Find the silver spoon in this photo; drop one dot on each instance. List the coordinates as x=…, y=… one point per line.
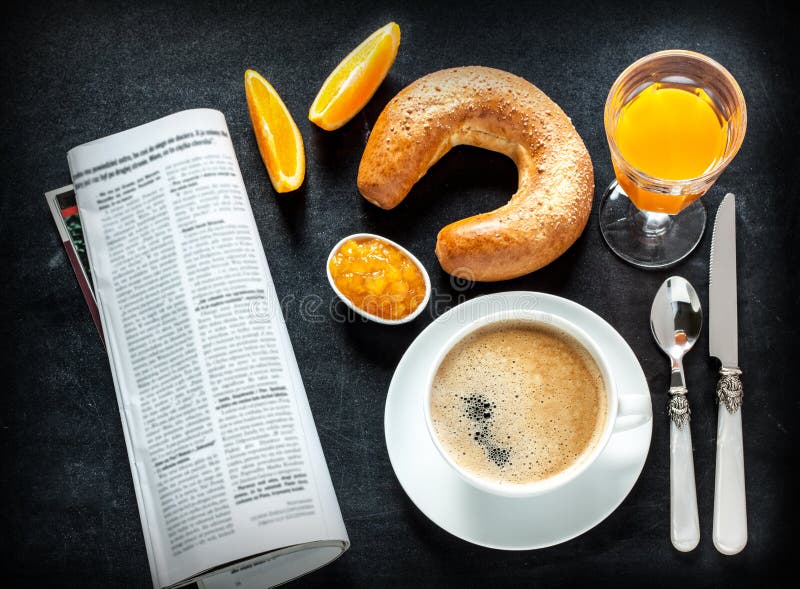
x=676, y=319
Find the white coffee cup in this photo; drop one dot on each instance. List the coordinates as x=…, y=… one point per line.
x=584, y=461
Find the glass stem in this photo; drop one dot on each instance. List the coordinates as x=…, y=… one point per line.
x=651, y=224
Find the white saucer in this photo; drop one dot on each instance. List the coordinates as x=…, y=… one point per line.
x=512, y=523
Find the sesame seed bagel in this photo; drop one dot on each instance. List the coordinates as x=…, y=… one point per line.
x=496, y=110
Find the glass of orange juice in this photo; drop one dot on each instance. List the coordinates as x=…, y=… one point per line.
x=674, y=120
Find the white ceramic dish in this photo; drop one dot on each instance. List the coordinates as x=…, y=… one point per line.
x=359, y=237
x=515, y=523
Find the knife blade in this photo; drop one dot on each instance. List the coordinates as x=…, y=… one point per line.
x=723, y=325
x=730, y=511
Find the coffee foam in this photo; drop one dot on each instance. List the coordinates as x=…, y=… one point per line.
x=516, y=402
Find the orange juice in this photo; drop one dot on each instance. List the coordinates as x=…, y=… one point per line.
x=672, y=133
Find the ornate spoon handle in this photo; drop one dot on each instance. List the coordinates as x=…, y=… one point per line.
x=730, y=510
x=684, y=522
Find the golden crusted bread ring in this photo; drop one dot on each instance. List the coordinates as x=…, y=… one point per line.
x=495, y=110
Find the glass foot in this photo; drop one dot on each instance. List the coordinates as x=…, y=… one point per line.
x=649, y=240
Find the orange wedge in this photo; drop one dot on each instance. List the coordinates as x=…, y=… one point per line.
x=277, y=135
x=355, y=79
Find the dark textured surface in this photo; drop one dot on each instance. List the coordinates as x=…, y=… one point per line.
x=74, y=73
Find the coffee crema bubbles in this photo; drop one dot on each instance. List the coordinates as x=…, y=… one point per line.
x=518, y=402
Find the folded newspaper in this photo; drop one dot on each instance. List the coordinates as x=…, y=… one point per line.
x=232, y=486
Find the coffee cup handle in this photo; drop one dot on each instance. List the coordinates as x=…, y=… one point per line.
x=632, y=411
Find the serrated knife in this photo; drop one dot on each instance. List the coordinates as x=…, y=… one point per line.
x=730, y=512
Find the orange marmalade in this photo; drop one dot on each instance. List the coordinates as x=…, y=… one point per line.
x=378, y=278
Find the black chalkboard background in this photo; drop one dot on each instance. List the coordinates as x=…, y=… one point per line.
x=75, y=72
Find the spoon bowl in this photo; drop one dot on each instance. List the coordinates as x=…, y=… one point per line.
x=676, y=317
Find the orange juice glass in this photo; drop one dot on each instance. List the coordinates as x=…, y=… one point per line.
x=674, y=120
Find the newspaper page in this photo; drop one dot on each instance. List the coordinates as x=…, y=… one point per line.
x=226, y=460
x=68, y=222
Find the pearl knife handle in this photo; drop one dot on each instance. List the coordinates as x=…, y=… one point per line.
x=730, y=509
x=684, y=522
